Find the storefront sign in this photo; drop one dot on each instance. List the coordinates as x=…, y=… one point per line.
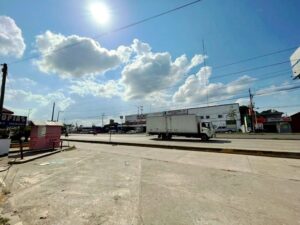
x=13, y=120
x=281, y=119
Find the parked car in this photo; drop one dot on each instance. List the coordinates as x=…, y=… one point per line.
x=223, y=129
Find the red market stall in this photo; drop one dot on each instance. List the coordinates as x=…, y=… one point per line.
x=45, y=135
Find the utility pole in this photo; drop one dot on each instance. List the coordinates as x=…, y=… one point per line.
x=206, y=78
x=4, y=75
x=52, y=119
x=102, y=118
x=58, y=114
x=28, y=114
x=141, y=108
x=251, y=110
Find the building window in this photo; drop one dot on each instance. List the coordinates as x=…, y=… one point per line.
x=202, y=117
x=207, y=117
x=220, y=116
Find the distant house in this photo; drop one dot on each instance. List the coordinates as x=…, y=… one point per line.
x=296, y=122
x=275, y=122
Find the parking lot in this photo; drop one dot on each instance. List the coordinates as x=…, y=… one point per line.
x=104, y=184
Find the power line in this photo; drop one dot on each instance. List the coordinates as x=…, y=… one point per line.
x=280, y=89
x=112, y=31
x=243, y=95
x=251, y=69
x=280, y=106
x=255, y=57
x=105, y=109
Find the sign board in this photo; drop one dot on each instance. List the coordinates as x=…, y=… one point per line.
x=13, y=120
x=295, y=63
x=177, y=112
x=281, y=119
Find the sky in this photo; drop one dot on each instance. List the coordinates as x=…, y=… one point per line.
x=60, y=51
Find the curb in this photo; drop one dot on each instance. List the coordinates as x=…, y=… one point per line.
x=38, y=156
x=261, y=138
x=276, y=154
x=32, y=159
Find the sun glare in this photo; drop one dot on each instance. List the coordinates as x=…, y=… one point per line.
x=100, y=12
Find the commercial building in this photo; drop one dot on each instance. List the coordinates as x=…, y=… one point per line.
x=275, y=122
x=227, y=115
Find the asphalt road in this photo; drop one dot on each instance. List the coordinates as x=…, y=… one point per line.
x=247, y=144
x=122, y=185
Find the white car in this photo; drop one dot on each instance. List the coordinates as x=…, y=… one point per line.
x=224, y=130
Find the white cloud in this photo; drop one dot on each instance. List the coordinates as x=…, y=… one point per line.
x=41, y=104
x=11, y=39
x=149, y=73
x=75, y=56
x=24, y=81
x=243, y=101
x=277, y=88
x=92, y=87
x=197, y=87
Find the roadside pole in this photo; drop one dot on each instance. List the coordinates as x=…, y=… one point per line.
x=251, y=110
x=4, y=75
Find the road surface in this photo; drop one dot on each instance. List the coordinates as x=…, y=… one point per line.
x=247, y=144
x=122, y=185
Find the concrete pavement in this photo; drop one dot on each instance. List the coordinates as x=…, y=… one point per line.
x=269, y=148
x=102, y=184
x=247, y=144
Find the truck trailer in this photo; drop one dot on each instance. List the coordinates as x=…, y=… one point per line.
x=179, y=125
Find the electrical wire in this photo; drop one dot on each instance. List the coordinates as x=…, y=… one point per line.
x=256, y=57
x=110, y=32
x=284, y=88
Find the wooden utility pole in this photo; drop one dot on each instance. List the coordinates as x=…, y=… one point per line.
x=4, y=75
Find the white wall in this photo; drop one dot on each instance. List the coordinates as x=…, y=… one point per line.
x=212, y=111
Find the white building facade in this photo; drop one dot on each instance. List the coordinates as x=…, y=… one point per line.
x=227, y=115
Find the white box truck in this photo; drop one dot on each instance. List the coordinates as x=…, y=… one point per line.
x=180, y=125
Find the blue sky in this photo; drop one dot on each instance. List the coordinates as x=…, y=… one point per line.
x=157, y=64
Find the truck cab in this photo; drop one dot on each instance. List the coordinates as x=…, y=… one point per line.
x=207, y=128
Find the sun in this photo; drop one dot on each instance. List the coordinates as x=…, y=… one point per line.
x=100, y=12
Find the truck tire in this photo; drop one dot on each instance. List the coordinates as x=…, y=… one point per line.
x=163, y=136
x=204, y=137
x=169, y=136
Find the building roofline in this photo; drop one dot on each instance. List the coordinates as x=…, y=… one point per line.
x=188, y=108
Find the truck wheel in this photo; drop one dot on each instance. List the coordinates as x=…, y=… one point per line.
x=204, y=137
x=169, y=136
x=159, y=136
x=163, y=136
